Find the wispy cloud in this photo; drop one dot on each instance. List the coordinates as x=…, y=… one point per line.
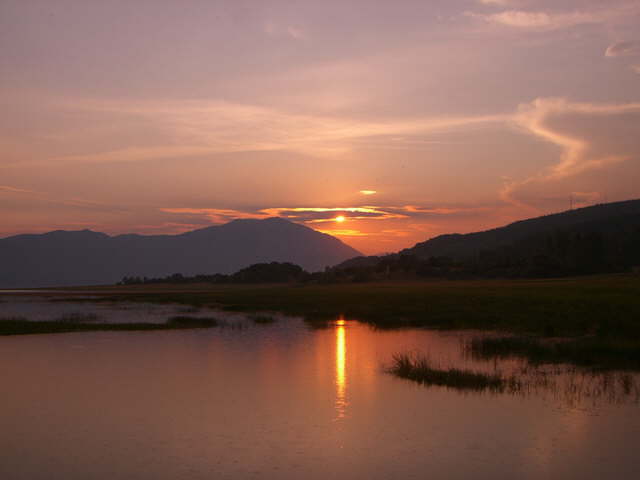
x=622, y=49
x=319, y=215
x=46, y=198
x=346, y=233
x=190, y=128
x=540, y=20
x=9, y=189
x=552, y=19
x=328, y=214
x=501, y=3
x=576, y=151
x=415, y=210
x=274, y=29
x=562, y=123
x=215, y=215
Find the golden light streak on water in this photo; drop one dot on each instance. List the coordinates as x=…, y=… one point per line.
x=341, y=367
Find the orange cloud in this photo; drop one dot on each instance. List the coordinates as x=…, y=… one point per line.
x=7, y=188
x=345, y=233
x=310, y=214
x=216, y=215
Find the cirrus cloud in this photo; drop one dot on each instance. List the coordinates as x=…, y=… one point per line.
x=591, y=137
x=622, y=49
x=540, y=20
x=550, y=19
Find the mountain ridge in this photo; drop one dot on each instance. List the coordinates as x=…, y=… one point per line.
x=86, y=257
x=456, y=245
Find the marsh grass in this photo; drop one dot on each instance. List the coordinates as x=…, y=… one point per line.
x=420, y=369
x=593, y=352
x=261, y=319
x=575, y=386
x=233, y=325
x=13, y=318
x=605, y=305
x=571, y=386
x=188, y=309
x=23, y=326
x=78, y=317
x=185, y=321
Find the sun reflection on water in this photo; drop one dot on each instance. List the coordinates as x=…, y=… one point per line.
x=341, y=370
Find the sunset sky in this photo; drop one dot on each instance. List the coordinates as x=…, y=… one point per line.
x=408, y=119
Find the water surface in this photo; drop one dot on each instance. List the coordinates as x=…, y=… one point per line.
x=286, y=401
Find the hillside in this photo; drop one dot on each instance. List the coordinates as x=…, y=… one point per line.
x=90, y=258
x=598, y=218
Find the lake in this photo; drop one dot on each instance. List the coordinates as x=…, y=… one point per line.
x=285, y=400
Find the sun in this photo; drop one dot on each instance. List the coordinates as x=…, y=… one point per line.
x=340, y=218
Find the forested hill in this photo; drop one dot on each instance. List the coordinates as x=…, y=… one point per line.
x=609, y=218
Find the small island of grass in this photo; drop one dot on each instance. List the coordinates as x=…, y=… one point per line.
x=23, y=326
x=419, y=369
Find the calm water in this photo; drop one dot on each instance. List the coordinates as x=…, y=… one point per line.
x=285, y=401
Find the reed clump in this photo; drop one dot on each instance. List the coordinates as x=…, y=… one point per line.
x=593, y=352
x=420, y=369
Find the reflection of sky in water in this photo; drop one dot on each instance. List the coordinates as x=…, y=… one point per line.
x=262, y=402
x=39, y=308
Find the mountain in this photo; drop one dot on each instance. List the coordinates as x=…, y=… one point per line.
x=91, y=258
x=606, y=218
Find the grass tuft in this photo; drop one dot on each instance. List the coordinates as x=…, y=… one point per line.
x=420, y=370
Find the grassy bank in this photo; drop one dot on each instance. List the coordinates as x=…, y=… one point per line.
x=591, y=352
x=23, y=326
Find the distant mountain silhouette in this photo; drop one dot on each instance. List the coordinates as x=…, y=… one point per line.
x=601, y=218
x=91, y=258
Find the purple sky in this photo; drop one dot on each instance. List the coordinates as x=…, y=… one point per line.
x=164, y=116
